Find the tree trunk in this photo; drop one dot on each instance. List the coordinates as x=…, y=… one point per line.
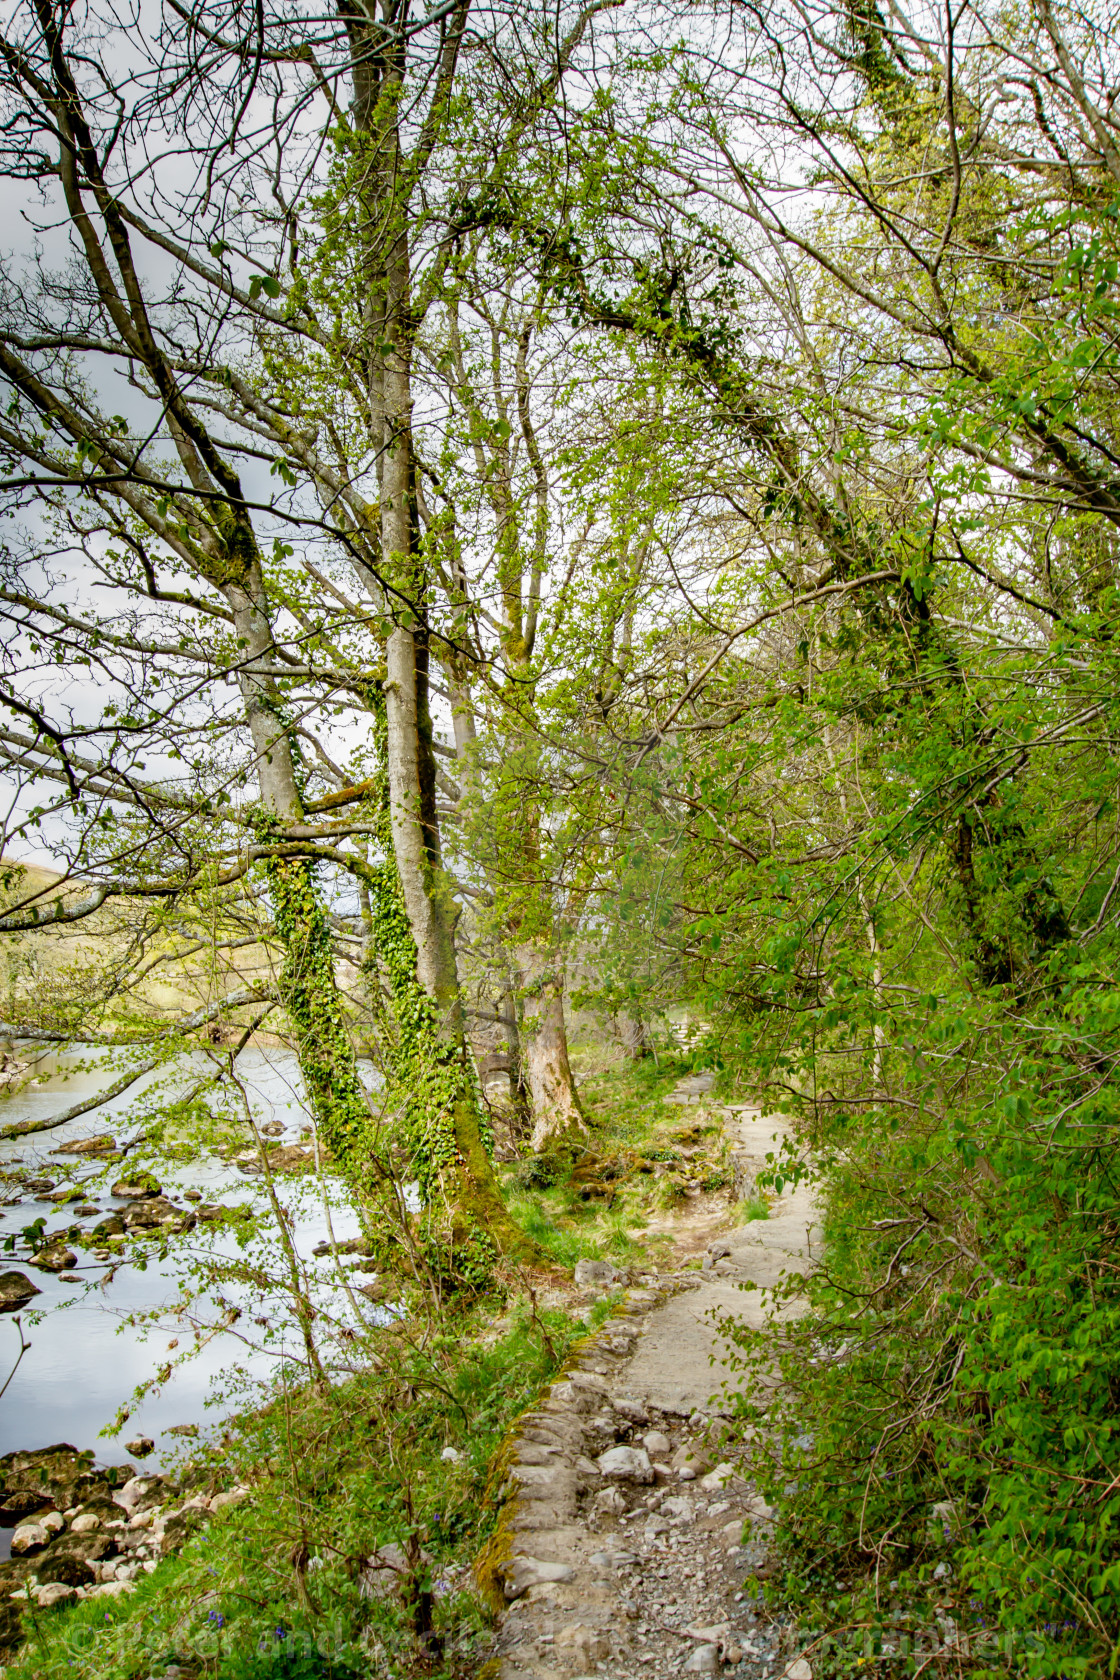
x=446, y=1120
x=558, y=1117
x=519, y=1097
x=307, y=985
x=633, y=1035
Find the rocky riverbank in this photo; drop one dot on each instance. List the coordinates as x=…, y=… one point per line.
x=81, y=1531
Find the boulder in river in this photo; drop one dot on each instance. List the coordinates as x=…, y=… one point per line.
x=140, y=1447
x=87, y=1146
x=157, y=1210
x=58, y=1476
x=54, y=1257
x=352, y=1245
x=16, y=1290
x=134, y=1189
x=111, y=1227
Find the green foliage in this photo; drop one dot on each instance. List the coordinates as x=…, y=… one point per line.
x=272, y=1588
x=322, y=1033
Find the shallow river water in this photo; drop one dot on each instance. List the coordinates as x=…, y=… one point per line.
x=83, y=1362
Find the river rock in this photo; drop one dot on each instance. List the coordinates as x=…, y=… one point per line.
x=626, y=1464
x=289, y=1157
x=87, y=1548
x=56, y=1592
x=179, y=1527
x=704, y=1660
x=140, y=1447
x=657, y=1444
x=85, y=1522
x=33, y=1481
x=144, y=1214
x=87, y=1146
x=113, y=1226
x=65, y=1569
x=232, y=1496
x=138, y=1492
x=182, y=1429
x=594, y=1274
x=54, y=1257
x=135, y=1189
x=29, y=1537
x=798, y=1669
x=16, y=1290
x=352, y=1245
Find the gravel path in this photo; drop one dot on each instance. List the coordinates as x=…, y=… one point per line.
x=627, y=1550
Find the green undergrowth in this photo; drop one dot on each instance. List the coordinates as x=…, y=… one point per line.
x=594, y=1202
x=275, y=1589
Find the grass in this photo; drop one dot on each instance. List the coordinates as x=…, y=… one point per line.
x=750, y=1208
x=272, y=1590
x=585, y=1213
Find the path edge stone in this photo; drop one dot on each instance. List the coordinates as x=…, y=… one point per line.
x=562, y=1413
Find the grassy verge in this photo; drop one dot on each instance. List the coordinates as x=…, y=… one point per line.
x=280, y=1588
x=597, y=1203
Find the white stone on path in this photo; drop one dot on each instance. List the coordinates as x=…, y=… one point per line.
x=626, y=1464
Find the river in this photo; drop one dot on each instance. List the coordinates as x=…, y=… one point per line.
x=84, y=1361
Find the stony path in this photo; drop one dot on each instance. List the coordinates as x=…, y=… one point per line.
x=627, y=1550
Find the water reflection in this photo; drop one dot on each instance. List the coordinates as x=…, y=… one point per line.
x=84, y=1363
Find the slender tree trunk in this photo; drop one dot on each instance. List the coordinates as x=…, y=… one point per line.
x=633, y=1035
x=450, y=1129
x=518, y=1072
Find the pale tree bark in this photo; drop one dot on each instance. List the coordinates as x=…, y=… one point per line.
x=634, y=1035
x=558, y=1118
x=379, y=59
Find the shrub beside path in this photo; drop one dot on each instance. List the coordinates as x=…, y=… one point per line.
x=625, y=1549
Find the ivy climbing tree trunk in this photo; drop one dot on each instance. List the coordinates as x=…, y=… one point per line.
x=453, y=1152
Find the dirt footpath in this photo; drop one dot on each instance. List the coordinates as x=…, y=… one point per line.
x=627, y=1550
